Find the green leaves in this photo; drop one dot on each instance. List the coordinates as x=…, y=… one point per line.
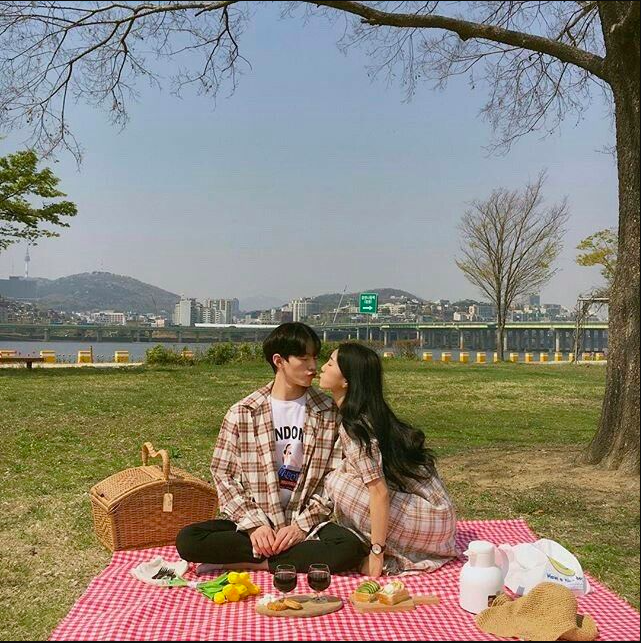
x=600, y=249
x=21, y=186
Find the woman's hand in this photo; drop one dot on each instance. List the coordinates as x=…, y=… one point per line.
x=376, y=565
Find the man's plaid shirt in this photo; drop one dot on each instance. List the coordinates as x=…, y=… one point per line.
x=244, y=464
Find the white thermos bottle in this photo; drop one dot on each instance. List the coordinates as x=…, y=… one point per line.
x=481, y=577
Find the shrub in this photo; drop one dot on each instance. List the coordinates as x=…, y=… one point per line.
x=248, y=352
x=161, y=356
x=220, y=354
x=406, y=348
x=327, y=348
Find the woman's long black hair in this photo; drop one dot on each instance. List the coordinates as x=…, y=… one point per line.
x=366, y=415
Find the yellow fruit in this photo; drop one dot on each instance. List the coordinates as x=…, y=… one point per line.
x=219, y=598
x=562, y=569
x=232, y=577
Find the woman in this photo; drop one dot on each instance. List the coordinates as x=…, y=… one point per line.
x=387, y=489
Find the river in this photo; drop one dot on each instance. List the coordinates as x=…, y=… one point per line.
x=104, y=351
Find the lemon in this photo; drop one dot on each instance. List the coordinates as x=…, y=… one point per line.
x=219, y=598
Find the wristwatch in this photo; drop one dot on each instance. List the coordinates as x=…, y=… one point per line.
x=377, y=549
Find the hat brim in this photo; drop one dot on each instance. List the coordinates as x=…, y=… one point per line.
x=586, y=629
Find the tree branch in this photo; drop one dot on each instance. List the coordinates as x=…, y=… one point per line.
x=467, y=30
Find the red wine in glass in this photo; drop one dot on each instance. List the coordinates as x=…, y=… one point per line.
x=319, y=579
x=285, y=578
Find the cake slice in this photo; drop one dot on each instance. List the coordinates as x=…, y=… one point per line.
x=393, y=593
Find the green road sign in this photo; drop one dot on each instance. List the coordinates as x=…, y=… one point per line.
x=368, y=303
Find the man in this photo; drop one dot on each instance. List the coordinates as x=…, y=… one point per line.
x=273, y=452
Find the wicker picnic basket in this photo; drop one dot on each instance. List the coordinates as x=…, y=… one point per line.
x=147, y=506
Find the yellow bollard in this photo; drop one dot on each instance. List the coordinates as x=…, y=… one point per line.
x=495, y=358
x=85, y=357
x=388, y=354
x=121, y=357
x=49, y=356
x=529, y=358
x=514, y=357
x=464, y=357
x=558, y=356
x=187, y=354
x=446, y=356
x=586, y=357
x=570, y=357
x=427, y=356
x=599, y=357
x=543, y=357
x=480, y=358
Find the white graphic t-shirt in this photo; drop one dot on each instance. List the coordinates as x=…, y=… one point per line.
x=289, y=421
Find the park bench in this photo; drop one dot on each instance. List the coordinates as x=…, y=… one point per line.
x=18, y=359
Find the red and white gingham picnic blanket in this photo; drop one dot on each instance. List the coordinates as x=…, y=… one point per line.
x=116, y=606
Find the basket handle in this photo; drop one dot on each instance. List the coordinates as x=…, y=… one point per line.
x=148, y=450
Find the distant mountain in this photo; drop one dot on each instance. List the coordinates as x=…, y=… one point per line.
x=92, y=291
x=259, y=302
x=385, y=295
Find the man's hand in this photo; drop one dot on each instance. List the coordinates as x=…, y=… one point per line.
x=288, y=537
x=263, y=541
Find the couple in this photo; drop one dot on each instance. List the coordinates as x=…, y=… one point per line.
x=305, y=479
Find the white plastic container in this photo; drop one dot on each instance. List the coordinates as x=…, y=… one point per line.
x=481, y=577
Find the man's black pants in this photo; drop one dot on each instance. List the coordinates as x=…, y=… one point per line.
x=217, y=541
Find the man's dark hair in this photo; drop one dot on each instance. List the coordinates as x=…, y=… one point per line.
x=292, y=338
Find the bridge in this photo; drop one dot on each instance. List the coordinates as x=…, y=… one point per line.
x=520, y=336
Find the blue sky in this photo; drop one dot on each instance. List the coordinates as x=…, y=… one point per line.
x=309, y=178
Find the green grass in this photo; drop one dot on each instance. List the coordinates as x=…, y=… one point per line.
x=64, y=430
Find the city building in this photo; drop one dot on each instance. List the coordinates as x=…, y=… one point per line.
x=109, y=318
x=482, y=312
x=185, y=312
x=221, y=311
x=303, y=308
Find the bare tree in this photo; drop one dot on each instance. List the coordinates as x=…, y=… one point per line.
x=539, y=60
x=508, y=245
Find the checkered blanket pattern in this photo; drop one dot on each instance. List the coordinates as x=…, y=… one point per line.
x=118, y=607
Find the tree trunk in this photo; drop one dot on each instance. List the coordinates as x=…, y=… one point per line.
x=500, y=339
x=616, y=444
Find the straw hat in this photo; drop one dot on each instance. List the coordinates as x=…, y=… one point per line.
x=547, y=613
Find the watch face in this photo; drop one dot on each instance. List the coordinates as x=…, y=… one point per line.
x=376, y=549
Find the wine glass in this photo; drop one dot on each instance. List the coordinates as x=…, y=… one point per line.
x=318, y=578
x=285, y=578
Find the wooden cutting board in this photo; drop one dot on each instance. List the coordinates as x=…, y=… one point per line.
x=310, y=608
x=403, y=606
